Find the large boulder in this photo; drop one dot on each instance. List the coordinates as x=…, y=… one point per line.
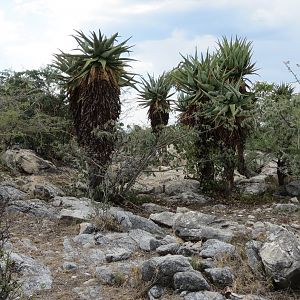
x=254, y=186
x=26, y=161
x=10, y=193
x=293, y=188
x=72, y=208
x=191, y=281
x=196, y=226
x=34, y=275
x=36, y=207
x=163, y=269
x=280, y=255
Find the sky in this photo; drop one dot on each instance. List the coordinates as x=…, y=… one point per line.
x=160, y=30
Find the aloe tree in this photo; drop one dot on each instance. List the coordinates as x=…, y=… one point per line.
x=93, y=75
x=235, y=58
x=155, y=95
x=215, y=88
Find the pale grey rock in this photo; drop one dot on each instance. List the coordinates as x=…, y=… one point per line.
x=154, y=208
x=36, y=207
x=70, y=266
x=294, y=200
x=168, y=249
x=116, y=240
x=206, y=295
x=215, y=248
x=162, y=269
x=280, y=255
x=155, y=292
x=10, y=193
x=176, y=187
x=196, y=226
x=105, y=274
x=166, y=218
x=26, y=161
x=191, y=281
x=28, y=244
x=254, y=261
x=293, y=188
x=128, y=221
x=221, y=276
x=86, y=240
x=35, y=276
x=254, y=186
x=188, y=198
x=182, y=209
x=74, y=209
x=144, y=239
x=117, y=254
x=286, y=207
x=47, y=191
x=112, y=274
x=86, y=228
x=89, y=292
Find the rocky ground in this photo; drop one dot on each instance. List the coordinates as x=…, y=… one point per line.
x=178, y=244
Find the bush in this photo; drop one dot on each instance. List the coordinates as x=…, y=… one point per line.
x=8, y=283
x=33, y=111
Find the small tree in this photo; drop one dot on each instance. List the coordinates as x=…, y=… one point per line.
x=278, y=127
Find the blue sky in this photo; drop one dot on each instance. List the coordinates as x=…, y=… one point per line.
x=32, y=30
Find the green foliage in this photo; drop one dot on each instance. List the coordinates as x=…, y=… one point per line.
x=215, y=101
x=34, y=111
x=94, y=52
x=155, y=94
x=8, y=271
x=278, y=125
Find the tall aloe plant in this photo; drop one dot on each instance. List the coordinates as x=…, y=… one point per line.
x=215, y=86
x=93, y=75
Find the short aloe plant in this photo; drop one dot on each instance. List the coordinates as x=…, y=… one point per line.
x=155, y=94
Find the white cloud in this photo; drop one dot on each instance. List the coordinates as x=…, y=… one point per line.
x=156, y=56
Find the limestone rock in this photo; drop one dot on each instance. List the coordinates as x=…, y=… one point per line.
x=166, y=218
x=293, y=188
x=221, y=276
x=162, y=269
x=9, y=193
x=196, y=226
x=34, y=275
x=36, y=207
x=280, y=256
x=26, y=161
x=191, y=281
x=254, y=261
x=214, y=248
x=206, y=295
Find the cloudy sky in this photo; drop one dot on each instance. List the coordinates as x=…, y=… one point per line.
x=32, y=30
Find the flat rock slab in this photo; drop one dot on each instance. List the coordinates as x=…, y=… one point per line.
x=10, y=193
x=34, y=275
x=78, y=209
x=196, y=226
x=214, y=248
x=166, y=218
x=36, y=207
